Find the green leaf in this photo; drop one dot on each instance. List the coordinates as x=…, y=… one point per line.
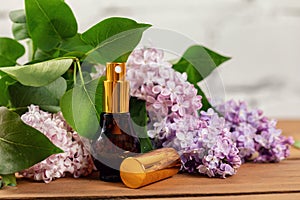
x=39, y=74
x=112, y=38
x=40, y=55
x=198, y=62
x=5, y=81
x=19, y=27
x=297, y=144
x=99, y=96
x=139, y=117
x=217, y=58
x=18, y=16
x=21, y=146
x=86, y=77
x=47, y=97
x=31, y=50
x=78, y=106
x=49, y=22
x=10, y=51
x=8, y=180
x=20, y=31
x=66, y=104
x=75, y=45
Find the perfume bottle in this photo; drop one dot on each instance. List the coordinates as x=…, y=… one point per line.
x=117, y=139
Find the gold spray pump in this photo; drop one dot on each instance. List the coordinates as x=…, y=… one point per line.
x=116, y=89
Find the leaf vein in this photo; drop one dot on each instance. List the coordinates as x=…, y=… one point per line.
x=54, y=28
x=23, y=145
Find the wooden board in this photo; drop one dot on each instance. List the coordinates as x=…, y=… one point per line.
x=292, y=196
x=252, y=181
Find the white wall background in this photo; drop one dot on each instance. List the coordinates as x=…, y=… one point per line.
x=262, y=36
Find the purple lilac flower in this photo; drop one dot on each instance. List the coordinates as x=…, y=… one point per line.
x=254, y=133
x=75, y=159
x=172, y=103
x=223, y=147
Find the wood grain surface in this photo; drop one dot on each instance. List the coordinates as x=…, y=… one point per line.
x=252, y=181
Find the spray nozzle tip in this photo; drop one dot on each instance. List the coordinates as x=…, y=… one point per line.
x=115, y=71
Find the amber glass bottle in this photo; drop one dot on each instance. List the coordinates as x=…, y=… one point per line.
x=117, y=139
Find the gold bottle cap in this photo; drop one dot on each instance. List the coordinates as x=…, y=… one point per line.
x=116, y=89
x=132, y=172
x=150, y=167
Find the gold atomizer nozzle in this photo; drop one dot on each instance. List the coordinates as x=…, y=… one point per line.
x=150, y=167
x=116, y=89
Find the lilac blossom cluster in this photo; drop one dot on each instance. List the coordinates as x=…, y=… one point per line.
x=166, y=91
x=75, y=160
x=172, y=103
x=255, y=135
x=203, y=142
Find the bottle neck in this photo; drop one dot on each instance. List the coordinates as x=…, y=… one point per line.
x=118, y=123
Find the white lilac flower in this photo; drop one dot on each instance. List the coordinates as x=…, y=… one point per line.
x=75, y=160
x=254, y=133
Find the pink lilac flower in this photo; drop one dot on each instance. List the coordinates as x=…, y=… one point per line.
x=254, y=133
x=166, y=91
x=172, y=103
x=75, y=160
